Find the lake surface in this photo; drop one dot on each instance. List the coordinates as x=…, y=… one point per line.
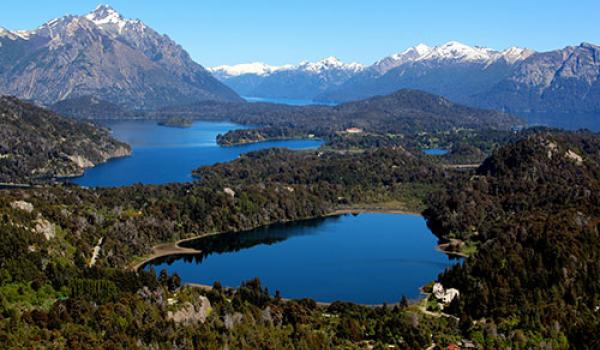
x=287, y=101
x=564, y=121
x=164, y=154
x=368, y=258
x=435, y=151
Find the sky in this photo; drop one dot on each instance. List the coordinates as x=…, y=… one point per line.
x=279, y=32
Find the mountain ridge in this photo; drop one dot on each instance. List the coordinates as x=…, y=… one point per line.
x=106, y=55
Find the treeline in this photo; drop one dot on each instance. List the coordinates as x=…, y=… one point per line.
x=532, y=211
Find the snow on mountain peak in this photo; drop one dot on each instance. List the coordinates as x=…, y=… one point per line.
x=454, y=50
x=451, y=51
x=258, y=68
x=5, y=33
x=327, y=63
x=515, y=54
x=107, y=18
x=104, y=14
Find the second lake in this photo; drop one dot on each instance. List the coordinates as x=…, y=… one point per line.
x=368, y=258
x=164, y=154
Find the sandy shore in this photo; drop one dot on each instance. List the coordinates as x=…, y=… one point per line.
x=443, y=247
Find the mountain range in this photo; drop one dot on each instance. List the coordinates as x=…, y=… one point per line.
x=305, y=80
x=105, y=55
x=518, y=80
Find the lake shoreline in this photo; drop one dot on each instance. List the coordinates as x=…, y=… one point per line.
x=174, y=248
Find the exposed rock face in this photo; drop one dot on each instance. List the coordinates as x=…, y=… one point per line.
x=191, y=314
x=228, y=191
x=81, y=161
x=564, y=80
x=103, y=54
x=22, y=205
x=45, y=227
x=43, y=145
x=514, y=80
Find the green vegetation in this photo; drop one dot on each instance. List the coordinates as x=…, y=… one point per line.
x=176, y=122
x=532, y=211
x=38, y=146
x=528, y=217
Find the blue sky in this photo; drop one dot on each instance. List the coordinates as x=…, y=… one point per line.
x=277, y=32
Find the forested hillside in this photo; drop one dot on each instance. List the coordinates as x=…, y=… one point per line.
x=532, y=210
x=38, y=145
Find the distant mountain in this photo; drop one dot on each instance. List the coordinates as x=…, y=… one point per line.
x=37, y=145
x=302, y=81
x=453, y=70
x=103, y=54
x=515, y=80
x=566, y=80
x=401, y=115
x=91, y=107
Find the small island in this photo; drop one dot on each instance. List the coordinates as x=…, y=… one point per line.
x=176, y=122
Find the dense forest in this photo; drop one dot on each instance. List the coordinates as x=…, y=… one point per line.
x=56, y=292
x=533, y=212
x=37, y=145
x=529, y=209
x=528, y=217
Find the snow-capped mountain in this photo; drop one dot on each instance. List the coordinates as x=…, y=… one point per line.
x=554, y=82
x=105, y=55
x=454, y=70
x=300, y=81
x=263, y=69
x=451, y=52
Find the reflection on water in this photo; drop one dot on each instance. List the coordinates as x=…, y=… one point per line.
x=369, y=258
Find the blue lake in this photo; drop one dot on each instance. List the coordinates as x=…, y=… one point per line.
x=287, y=101
x=435, y=151
x=366, y=258
x=164, y=154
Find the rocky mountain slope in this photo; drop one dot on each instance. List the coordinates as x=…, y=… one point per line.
x=302, y=81
x=514, y=80
x=38, y=145
x=566, y=80
x=105, y=55
x=453, y=70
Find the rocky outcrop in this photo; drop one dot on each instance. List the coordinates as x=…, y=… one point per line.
x=45, y=227
x=22, y=205
x=189, y=313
